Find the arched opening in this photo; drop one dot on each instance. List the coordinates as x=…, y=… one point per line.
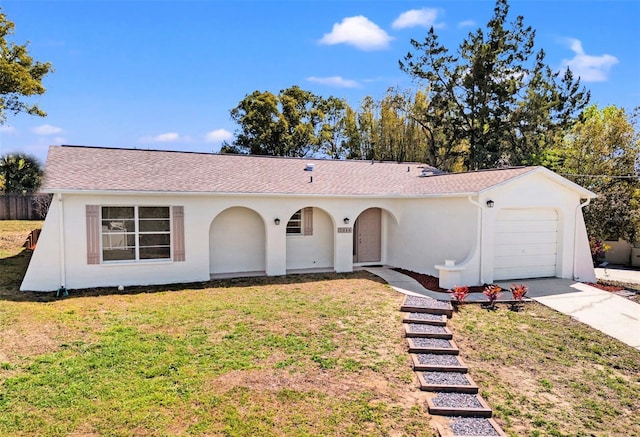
x=237, y=243
x=310, y=240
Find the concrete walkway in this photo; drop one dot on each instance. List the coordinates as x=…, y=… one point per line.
x=613, y=315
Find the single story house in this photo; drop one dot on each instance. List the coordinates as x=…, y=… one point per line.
x=138, y=217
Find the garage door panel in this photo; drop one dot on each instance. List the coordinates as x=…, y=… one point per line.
x=533, y=261
x=513, y=273
x=533, y=238
x=532, y=249
x=526, y=243
x=540, y=226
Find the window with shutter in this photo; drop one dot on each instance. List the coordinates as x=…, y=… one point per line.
x=134, y=233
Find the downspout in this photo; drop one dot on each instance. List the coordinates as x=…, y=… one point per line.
x=479, y=239
x=63, y=275
x=575, y=234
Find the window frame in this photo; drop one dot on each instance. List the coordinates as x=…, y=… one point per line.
x=299, y=221
x=137, y=233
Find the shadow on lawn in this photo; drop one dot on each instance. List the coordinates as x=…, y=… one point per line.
x=13, y=269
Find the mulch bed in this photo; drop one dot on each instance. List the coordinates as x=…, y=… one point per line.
x=432, y=283
x=606, y=287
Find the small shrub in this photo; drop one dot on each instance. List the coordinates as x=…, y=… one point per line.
x=492, y=291
x=518, y=291
x=459, y=293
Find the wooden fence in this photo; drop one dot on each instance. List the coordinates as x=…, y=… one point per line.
x=24, y=206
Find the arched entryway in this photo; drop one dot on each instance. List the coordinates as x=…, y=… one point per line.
x=310, y=240
x=237, y=242
x=367, y=236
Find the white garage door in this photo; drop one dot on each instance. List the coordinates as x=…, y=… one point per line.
x=526, y=243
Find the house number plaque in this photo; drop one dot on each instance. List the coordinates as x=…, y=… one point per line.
x=344, y=230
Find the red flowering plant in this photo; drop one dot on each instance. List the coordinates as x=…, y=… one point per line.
x=458, y=294
x=518, y=291
x=492, y=291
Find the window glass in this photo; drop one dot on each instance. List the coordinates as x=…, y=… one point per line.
x=130, y=233
x=294, y=225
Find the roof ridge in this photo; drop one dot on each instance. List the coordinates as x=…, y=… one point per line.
x=298, y=158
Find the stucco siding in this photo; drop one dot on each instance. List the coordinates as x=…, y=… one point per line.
x=237, y=242
x=430, y=231
x=312, y=251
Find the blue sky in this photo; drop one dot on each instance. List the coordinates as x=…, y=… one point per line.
x=164, y=74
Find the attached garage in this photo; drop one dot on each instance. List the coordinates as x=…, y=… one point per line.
x=526, y=243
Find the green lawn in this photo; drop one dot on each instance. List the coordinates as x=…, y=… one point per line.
x=302, y=355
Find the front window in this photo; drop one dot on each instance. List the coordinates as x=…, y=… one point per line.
x=133, y=233
x=294, y=225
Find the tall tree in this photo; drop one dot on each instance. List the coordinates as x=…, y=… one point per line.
x=21, y=173
x=20, y=75
x=496, y=99
x=282, y=125
x=332, y=140
x=602, y=153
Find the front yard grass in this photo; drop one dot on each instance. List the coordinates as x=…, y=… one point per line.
x=301, y=355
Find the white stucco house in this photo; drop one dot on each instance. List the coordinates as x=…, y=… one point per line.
x=138, y=217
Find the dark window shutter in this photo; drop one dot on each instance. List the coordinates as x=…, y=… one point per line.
x=178, y=233
x=93, y=234
x=307, y=217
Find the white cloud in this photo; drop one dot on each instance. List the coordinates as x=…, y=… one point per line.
x=334, y=81
x=168, y=137
x=466, y=23
x=359, y=32
x=589, y=68
x=46, y=129
x=10, y=130
x=425, y=17
x=218, y=135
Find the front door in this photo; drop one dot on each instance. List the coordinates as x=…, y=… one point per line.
x=367, y=236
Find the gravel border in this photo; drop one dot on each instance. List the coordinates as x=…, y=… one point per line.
x=438, y=359
x=426, y=302
x=425, y=329
x=445, y=378
x=439, y=343
x=424, y=317
x=456, y=400
x=472, y=426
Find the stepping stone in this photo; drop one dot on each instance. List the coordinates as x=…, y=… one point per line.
x=447, y=382
x=427, y=331
x=458, y=404
x=470, y=426
x=432, y=346
x=415, y=304
x=438, y=363
x=426, y=318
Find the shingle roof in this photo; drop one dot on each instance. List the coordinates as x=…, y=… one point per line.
x=77, y=168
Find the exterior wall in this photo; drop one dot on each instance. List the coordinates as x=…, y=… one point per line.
x=417, y=234
x=619, y=252
x=237, y=242
x=432, y=230
x=312, y=251
x=539, y=191
x=65, y=232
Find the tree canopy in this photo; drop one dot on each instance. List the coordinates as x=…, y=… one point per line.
x=602, y=153
x=495, y=101
x=20, y=75
x=20, y=173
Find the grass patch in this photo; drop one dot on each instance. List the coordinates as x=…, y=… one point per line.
x=308, y=355
x=544, y=373
x=301, y=355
